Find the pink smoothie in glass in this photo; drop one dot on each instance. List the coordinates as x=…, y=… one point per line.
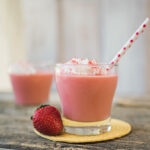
x=31, y=89
x=86, y=98
x=86, y=91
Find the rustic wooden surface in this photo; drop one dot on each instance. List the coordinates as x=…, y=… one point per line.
x=16, y=131
x=134, y=101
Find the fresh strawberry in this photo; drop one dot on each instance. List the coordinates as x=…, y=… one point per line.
x=47, y=120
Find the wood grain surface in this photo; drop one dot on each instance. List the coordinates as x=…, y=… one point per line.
x=16, y=131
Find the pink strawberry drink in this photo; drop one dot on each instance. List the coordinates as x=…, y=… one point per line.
x=86, y=90
x=31, y=87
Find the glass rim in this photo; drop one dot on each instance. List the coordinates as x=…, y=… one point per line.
x=86, y=65
x=35, y=65
x=46, y=63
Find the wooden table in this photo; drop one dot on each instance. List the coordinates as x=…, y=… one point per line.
x=16, y=131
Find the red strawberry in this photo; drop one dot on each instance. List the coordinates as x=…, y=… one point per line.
x=47, y=120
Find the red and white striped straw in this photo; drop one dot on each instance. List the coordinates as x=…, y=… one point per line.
x=129, y=43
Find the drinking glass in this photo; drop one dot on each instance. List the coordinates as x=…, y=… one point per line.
x=31, y=83
x=86, y=96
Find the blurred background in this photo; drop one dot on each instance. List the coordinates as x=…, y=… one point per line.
x=57, y=30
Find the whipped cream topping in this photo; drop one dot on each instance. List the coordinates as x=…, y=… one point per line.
x=82, y=66
x=82, y=61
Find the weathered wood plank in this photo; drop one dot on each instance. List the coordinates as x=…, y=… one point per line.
x=16, y=130
x=134, y=101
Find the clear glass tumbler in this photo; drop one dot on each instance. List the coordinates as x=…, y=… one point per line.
x=31, y=83
x=86, y=93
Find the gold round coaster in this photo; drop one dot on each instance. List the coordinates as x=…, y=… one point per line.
x=118, y=129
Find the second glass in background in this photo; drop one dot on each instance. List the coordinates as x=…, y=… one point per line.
x=31, y=83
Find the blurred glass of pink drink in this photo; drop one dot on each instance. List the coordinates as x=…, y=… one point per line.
x=31, y=83
x=86, y=90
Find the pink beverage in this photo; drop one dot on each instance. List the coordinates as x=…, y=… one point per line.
x=86, y=91
x=31, y=88
x=86, y=98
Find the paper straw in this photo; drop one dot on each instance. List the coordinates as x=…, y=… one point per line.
x=129, y=43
